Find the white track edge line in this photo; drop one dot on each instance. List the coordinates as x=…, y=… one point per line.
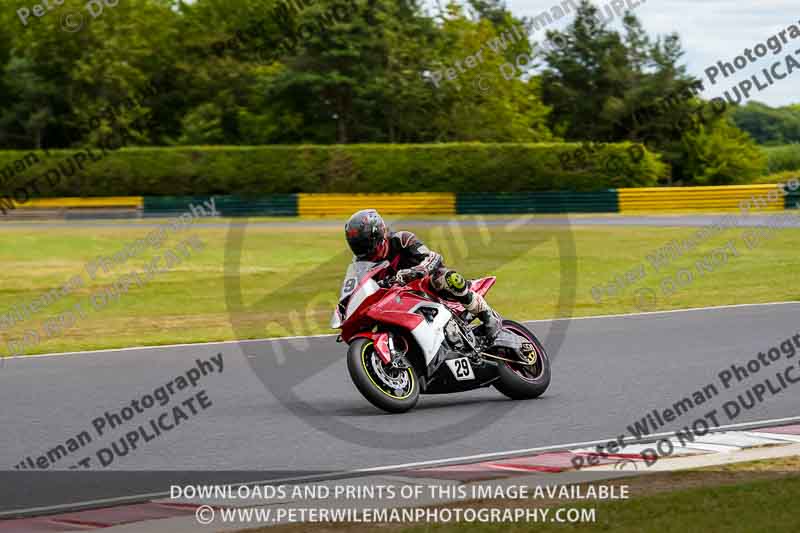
x=381, y=469
x=323, y=335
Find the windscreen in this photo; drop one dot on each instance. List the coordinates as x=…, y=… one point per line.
x=355, y=272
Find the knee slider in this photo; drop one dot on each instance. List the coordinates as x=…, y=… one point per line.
x=456, y=283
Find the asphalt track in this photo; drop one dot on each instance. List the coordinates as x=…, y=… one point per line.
x=609, y=372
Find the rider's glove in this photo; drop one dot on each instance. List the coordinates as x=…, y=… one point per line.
x=406, y=275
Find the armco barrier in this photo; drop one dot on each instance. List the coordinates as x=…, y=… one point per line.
x=709, y=199
x=792, y=200
x=728, y=198
x=389, y=204
x=537, y=202
x=56, y=207
x=77, y=203
x=279, y=205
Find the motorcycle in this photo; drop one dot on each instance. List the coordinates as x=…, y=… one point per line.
x=405, y=341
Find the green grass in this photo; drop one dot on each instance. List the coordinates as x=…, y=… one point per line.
x=764, y=506
x=290, y=278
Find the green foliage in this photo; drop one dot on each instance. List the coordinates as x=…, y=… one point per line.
x=454, y=167
x=768, y=125
x=480, y=104
x=596, y=78
x=722, y=155
x=203, y=125
x=267, y=72
x=244, y=72
x=783, y=158
x=606, y=85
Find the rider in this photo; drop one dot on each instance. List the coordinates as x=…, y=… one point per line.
x=370, y=240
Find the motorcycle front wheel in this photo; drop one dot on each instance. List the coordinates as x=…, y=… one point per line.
x=392, y=389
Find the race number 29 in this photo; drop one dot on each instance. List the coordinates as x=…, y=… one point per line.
x=461, y=368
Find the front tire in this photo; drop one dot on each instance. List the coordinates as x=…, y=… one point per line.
x=393, y=390
x=523, y=382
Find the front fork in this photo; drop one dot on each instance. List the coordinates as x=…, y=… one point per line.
x=398, y=357
x=389, y=351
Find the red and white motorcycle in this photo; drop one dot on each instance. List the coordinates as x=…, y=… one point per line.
x=405, y=341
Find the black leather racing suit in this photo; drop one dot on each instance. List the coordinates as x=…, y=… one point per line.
x=409, y=256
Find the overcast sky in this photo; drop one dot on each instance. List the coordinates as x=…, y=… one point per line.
x=712, y=30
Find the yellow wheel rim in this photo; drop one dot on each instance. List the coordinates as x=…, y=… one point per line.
x=369, y=375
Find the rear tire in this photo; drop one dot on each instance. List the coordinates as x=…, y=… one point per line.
x=362, y=364
x=521, y=382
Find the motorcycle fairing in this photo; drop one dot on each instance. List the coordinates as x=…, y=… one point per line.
x=482, y=285
x=381, y=343
x=505, y=339
x=429, y=333
x=413, y=310
x=442, y=381
x=358, y=285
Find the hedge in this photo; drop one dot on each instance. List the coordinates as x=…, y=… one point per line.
x=261, y=170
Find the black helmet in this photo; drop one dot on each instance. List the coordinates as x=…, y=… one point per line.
x=367, y=235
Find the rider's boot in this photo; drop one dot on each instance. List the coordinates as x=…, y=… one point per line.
x=492, y=323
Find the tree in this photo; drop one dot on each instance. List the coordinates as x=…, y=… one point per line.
x=29, y=113
x=596, y=79
x=721, y=155
x=607, y=86
x=98, y=69
x=586, y=78
x=481, y=104
x=768, y=125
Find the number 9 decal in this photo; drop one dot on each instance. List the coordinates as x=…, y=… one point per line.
x=349, y=285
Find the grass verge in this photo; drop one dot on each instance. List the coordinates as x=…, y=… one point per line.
x=290, y=276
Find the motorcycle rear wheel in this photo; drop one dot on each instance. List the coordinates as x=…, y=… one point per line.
x=523, y=382
x=393, y=390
